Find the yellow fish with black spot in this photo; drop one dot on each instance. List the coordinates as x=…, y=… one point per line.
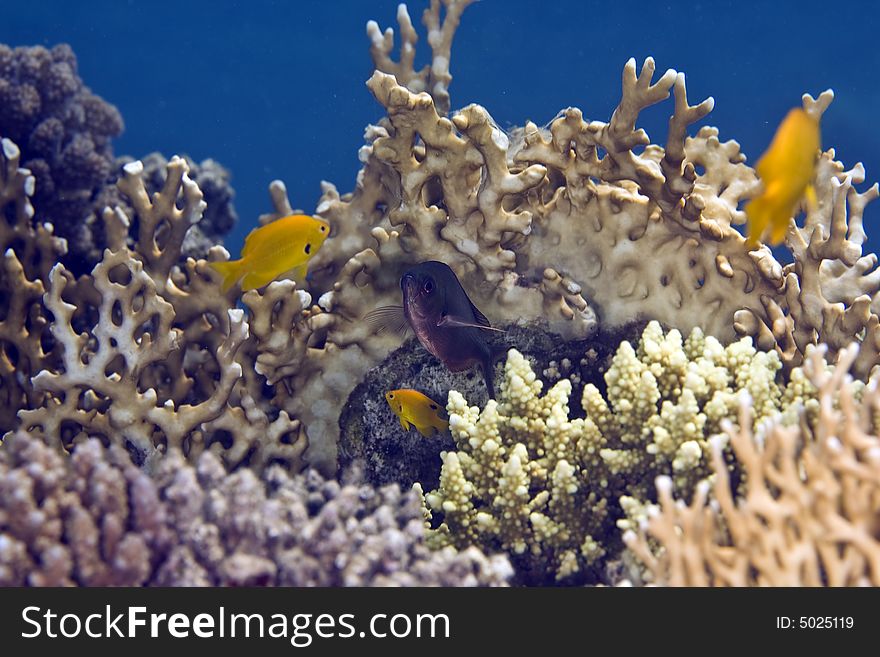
x=786, y=171
x=412, y=407
x=285, y=245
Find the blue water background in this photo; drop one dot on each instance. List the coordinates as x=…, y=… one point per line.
x=276, y=89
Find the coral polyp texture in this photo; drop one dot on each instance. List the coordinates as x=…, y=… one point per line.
x=115, y=328
x=548, y=482
x=95, y=519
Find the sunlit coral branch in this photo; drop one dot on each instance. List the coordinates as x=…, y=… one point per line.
x=433, y=78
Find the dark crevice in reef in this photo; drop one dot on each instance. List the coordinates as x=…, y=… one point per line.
x=371, y=435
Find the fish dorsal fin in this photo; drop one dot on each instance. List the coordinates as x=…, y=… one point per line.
x=480, y=317
x=387, y=318
x=249, y=242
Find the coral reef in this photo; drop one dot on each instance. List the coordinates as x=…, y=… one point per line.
x=434, y=78
x=29, y=252
x=150, y=355
x=64, y=132
x=809, y=513
x=581, y=222
x=96, y=520
x=542, y=485
x=371, y=435
x=574, y=230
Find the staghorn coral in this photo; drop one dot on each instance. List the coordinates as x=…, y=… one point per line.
x=810, y=512
x=531, y=478
x=64, y=132
x=95, y=519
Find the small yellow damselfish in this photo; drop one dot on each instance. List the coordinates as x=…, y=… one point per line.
x=412, y=407
x=786, y=171
x=285, y=245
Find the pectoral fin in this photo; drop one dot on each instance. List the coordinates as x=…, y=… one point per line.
x=404, y=423
x=458, y=322
x=388, y=318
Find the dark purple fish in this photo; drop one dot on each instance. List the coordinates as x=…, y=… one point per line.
x=443, y=318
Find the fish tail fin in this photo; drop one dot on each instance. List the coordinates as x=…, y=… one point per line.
x=812, y=200
x=230, y=270
x=779, y=231
x=758, y=212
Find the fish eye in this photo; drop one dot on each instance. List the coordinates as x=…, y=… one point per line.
x=323, y=229
x=308, y=248
x=390, y=395
x=429, y=286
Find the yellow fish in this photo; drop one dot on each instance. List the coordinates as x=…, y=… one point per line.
x=412, y=407
x=285, y=245
x=786, y=171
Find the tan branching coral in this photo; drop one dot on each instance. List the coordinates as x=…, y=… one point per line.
x=103, y=369
x=433, y=78
x=810, y=512
x=28, y=254
x=151, y=354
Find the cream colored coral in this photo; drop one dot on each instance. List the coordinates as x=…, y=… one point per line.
x=666, y=398
x=165, y=360
x=575, y=223
x=131, y=335
x=530, y=479
x=517, y=481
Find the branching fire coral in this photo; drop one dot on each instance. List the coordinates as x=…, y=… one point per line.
x=150, y=356
x=533, y=479
x=29, y=251
x=95, y=519
x=811, y=507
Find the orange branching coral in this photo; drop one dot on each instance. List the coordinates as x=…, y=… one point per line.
x=810, y=511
